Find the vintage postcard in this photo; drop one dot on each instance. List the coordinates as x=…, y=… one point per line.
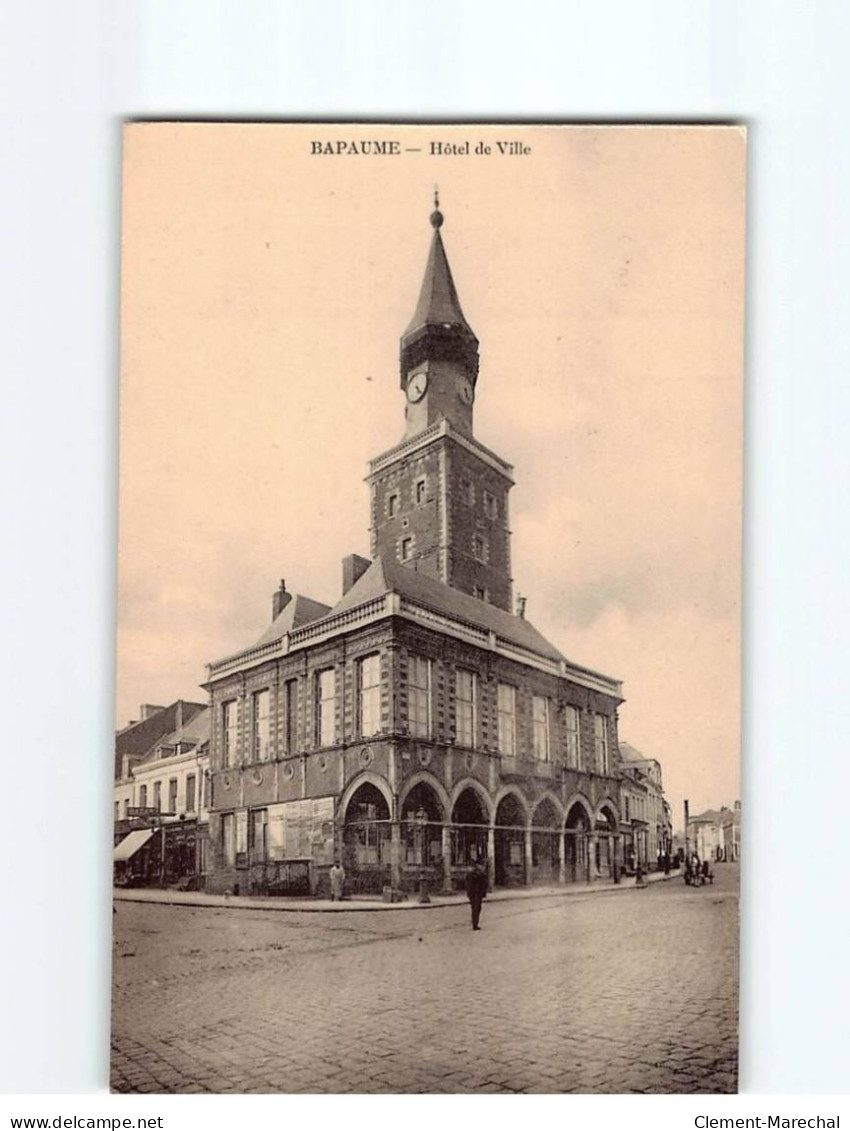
x=426, y=772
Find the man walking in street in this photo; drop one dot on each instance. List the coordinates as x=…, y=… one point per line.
x=476, y=889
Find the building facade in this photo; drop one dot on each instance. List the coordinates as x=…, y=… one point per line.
x=419, y=725
x=716, y=834
x=645, y=813
x=161, y=809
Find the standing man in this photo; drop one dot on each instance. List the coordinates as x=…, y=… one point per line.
x=476, y=889
x=337, y=880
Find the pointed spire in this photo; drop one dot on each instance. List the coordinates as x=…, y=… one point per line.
x=438, y=313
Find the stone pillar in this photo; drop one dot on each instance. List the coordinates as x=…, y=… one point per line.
x=562, y=858
x=446, y=849
x=395, y=855
x=529, y=857
x=491, y=857
x=592, y=841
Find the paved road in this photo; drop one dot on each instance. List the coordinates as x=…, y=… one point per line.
x=629, y=991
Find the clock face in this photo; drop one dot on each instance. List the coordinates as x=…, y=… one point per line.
x=465, y=390
x=416, y=386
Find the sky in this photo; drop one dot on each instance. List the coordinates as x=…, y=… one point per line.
x=264, y=291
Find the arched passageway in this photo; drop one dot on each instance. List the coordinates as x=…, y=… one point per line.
x=422, y=820
x=545, y=844
x=510, y=838
x=366, y=840
x=469, y=830
x=576, y=829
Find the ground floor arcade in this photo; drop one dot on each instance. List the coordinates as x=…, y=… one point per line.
x=428, y=835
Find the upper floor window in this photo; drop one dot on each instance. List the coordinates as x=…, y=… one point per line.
x=172, y=795
x=229, y=729
x=540, y=722
x=392, y=504
x=326, y=707
x=419, y=491
x=290, y=700
x=573, y=737
x=479, y=547
x=626, y=813
x=369, y=695
x=481, y=592
x=419, y=696
x=117, y=811
x=465, y=707
x=126, y=809
x=406, y=549
x=467, y=492
x=600, y=743
x=260, y=712
x=157, y=796
x=507, y=719
x=491, y=507
x=190, y=793
x=143, y=797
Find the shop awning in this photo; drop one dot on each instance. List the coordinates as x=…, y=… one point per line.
x=131, y=844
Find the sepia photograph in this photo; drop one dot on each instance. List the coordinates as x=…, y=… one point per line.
x=426, y=773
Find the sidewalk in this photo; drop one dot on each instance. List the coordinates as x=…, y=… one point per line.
x=365, y=903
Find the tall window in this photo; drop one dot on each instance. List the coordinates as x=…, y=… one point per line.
x=229, y=732
x=369, y=695
x=117, y=811
x=465, y=707
x=406, y=549
x=491, y=508
x=392, y=505
x=507, y=719
x=157, y=796
x=143, y=797
x=420, y=491
x=326, y=707
x=540, y=721
x=419, y=696
x=290, y=695
x=172, y=795
x=260, y=712
x=258, y=833
x=126, y=808
x=479, y=547
x=572, y=737
x=190, y=793
x=228, y=839
x=600, y=743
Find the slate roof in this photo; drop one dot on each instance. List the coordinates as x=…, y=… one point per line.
x=196, y=731
x=384, y=576
x=139, y=738
x=438, y=303
x=299, y=611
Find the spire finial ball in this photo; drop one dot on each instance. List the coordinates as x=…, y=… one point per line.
x=436, y=219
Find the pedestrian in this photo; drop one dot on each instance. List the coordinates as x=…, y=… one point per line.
x=337, y=880
x=476, y=889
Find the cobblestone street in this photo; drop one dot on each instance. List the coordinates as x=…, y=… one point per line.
x=627, y=991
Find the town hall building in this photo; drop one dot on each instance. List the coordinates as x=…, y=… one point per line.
x=421, y=724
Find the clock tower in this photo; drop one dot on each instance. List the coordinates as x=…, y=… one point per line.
x=439, y=498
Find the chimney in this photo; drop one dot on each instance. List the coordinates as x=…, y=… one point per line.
x=520, y=606
x=353, y=568
x=178, y=715
x=280, y=600
x=147, y=710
